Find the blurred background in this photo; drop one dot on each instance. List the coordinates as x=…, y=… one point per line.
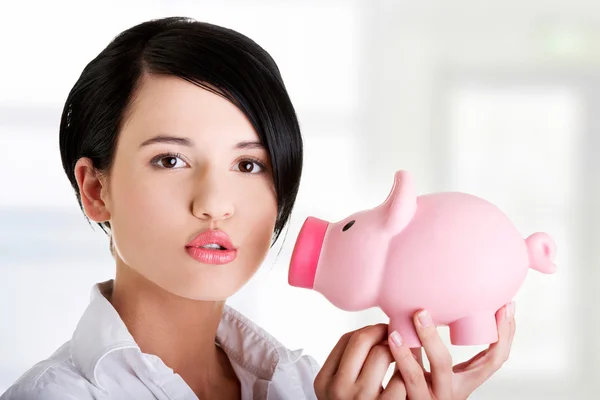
x=496, y=98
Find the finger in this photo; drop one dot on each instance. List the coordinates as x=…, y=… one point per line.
x=395, y=389
x=418, y=355
x=477, y=360
x=374, y=370
x=412, y=373
x=513, y=326
x=330, y=366
x=437, y=354
x=358, y=349
x=470, y=362
x=496, y=355
x=498, y=352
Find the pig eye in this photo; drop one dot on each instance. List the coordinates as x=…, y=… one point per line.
x=348, y=226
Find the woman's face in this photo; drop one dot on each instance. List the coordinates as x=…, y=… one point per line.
x=163, y=192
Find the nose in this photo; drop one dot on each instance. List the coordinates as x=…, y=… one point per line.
x=213, y=201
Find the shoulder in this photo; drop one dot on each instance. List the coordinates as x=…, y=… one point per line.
x=51, y=379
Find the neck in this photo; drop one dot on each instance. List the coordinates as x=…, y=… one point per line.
x=180, y=331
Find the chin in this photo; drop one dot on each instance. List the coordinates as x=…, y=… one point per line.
x=202, y=282
x=206, y=289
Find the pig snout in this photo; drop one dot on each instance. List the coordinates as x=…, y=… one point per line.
x=305, y=256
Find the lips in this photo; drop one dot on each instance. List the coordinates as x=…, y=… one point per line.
x=212, y=237
x=212, y=247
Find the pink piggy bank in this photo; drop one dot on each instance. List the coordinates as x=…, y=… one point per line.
x=454, y=254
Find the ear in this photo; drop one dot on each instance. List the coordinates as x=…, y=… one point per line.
x=93, y=190
x=401, y=204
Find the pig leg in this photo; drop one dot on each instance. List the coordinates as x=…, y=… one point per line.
x=475, y=329
x=404, y=325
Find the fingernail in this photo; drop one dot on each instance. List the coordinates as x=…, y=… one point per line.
x=396, y=338
x=424, y=318
x=510, y=309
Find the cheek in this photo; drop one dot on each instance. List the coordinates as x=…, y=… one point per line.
x=144, y=210
x=257, y=210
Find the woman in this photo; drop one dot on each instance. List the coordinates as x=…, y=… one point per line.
x=181, y=142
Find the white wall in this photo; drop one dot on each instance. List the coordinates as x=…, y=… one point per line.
x=496, y=98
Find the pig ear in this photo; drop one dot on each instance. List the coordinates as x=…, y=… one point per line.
x=401, y=204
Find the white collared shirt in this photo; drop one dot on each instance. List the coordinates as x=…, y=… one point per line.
x=102, y=361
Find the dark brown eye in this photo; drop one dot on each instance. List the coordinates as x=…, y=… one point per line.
x=250, y=167
x=348, y=226
x=168, y=162
x=246, y=166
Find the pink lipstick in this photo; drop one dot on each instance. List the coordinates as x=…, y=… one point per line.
x=212, y=247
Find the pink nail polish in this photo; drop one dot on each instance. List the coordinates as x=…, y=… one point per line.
x=396, y=338
x=508, y=311
x=424, y=318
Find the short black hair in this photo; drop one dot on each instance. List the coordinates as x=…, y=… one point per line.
x=213, y=57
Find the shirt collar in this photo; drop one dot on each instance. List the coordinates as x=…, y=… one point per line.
x=101, y=331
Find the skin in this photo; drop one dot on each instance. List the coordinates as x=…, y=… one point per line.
x=171, y=303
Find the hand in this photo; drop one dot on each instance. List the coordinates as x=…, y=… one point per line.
x=356, y=367
x=358, y=363
x=446, y=382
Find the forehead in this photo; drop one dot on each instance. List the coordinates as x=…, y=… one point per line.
x=173, y=105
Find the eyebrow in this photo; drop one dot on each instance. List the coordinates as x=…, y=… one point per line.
x=182, y=141
x=249, y=145
x=168, y=140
